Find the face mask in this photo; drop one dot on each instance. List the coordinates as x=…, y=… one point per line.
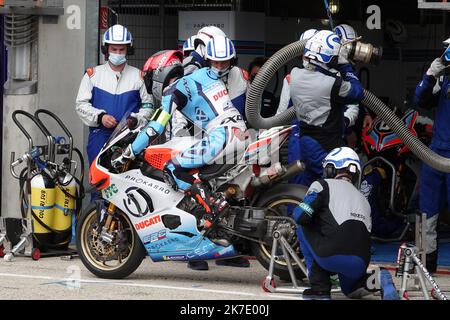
x=117, y=59
x=220, y=73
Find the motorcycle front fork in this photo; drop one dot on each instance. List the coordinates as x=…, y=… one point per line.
x=110, y=224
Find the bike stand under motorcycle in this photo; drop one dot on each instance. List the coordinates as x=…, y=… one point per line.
x=25, y=245
x=411, y=264
x=279, y=240
x=410, y=267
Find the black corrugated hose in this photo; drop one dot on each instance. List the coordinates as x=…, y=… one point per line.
x=294, y=50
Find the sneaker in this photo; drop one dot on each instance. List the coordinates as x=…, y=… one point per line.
x=237, y=262
x=388, y=290
x=198, y=265
x=310, y=294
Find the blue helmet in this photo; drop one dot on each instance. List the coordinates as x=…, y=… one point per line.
x=446, y=54
x=188, y=45
x=220, y=48
x=117, y=34
x=323, y=46
x=345, y=32
x=341, y=158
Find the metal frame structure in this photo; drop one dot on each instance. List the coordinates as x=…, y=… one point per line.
x=410, y=267
x=268, y=285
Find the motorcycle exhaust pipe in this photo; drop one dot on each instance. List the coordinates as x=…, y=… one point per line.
x=279, y=172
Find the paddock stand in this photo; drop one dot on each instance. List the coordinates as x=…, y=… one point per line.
x=279, y=239
x=410, y=267
x=419, y=250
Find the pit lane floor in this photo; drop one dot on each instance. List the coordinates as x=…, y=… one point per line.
x=54, y=278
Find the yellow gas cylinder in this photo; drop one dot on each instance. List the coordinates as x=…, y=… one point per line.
x=42, y=205
x=66, y=190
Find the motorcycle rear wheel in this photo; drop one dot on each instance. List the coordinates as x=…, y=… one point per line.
x=98, y=256
x=280, y=198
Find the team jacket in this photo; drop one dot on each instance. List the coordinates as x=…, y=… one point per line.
x=335, y=219
x=351, y=111
x=103, y=90
x=202, y=98
x=431, y=93
x=320, y=97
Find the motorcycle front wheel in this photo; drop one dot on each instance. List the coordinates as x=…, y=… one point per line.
x=114, y=259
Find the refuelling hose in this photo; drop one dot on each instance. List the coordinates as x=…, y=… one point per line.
x=294, y=50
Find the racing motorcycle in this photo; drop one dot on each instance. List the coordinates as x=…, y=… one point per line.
x=396, y=196
x=139, y=214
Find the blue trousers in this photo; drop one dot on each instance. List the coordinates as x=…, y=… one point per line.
x=434, y=192
x=294, y=151
x=97, y=138
x=350, y=269
x=204, y=152
x=312, y=154
x=434, y=189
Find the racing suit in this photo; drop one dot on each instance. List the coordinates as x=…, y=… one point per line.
x=203, y=99
x=178, y=125
x=294, y=152
x=194, y=61
x=104, y=91
x=236, y=82
x=434, y=188
x=334, y=234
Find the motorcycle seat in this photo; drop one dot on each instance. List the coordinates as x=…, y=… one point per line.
x=214, y=171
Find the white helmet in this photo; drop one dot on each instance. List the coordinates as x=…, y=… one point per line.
x=341, y=158
x=117, y=34
x=308, y=34
x=189, y=45
x=446, y=54
x=323, y=46
x=345, y=32
x=446, y=43
x=220, y=48
x=206, y=33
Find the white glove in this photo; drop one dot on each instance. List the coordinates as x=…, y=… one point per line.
x=436, y=69
x=343, y=55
